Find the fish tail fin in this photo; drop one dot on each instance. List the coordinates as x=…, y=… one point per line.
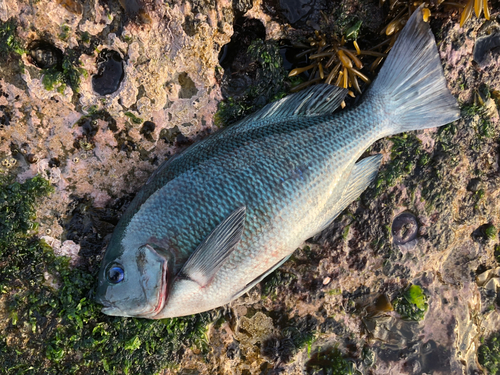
x=411, y=82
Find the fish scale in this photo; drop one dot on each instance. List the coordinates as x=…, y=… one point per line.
x=213, y=221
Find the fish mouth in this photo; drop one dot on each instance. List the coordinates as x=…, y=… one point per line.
x=159, y=297
x=162, y=297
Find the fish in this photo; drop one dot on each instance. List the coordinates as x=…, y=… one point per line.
x=213, y=221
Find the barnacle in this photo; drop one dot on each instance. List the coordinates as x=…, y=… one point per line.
x=9, y=162
x=333, y=62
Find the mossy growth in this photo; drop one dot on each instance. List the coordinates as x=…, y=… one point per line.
x=489, y=354
x=330, y=361
x=9, y=42
x=136, y=120
x=490, y=232
x=406, y=154
x=64, y=34
x=270, y=85
x=51, y=324
x=478, y=116
x=412, y=303
x=497, y=253
x=271, y=282
x=17, y=212
x=85, y=37
x=67, y=74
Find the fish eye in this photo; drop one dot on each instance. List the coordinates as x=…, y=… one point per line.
x=116, y=274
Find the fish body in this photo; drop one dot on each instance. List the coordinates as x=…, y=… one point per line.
x=213, y=221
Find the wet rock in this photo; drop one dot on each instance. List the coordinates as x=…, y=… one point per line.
x=110, y=73
x=54, y=163
x=485, y=232
x=296, y=10
x=188, y=88
x=486, y=47
x=45, y=55
x=248, y=61
x=169, y=135
x=300, y=315
x=278, y=350
x=132, y=7
x=73, y=6
x=240, y=7
x=233, y=55
x=5, y=115
x=474, y=185
x=148, y=127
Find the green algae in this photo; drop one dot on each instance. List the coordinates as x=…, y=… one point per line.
x=406, y=154
x=68, y=73
x=9, y=42
x=352, y=32
x=412, y=303
x=270, y=283
x=136, y=120
x=270, y=87
x=17, y=209
x=330, y=361
x=65, y=31
x=51, y=323
x=490, y=232
x=489, y=355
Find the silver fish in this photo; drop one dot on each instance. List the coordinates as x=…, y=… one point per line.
x=215, y=220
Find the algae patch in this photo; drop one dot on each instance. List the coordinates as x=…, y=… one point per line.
x=9, y=42
x=412, y=303
x=489, y=354
x=68, y=74
x=51, y=323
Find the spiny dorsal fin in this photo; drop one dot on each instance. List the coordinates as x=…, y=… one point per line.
x=316, y=100
x=214, y=250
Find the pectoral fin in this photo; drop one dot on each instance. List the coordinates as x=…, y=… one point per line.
x=211, y=254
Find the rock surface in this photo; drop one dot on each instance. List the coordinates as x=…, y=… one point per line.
x=329, y=307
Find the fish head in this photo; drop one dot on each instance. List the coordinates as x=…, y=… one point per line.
x=135, y=283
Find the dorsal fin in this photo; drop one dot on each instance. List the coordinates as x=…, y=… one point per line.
x=316, y=100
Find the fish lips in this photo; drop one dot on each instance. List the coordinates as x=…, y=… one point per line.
x=157, y=254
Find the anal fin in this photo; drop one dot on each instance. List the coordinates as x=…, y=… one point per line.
x=258, y=279
x=362, y=175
